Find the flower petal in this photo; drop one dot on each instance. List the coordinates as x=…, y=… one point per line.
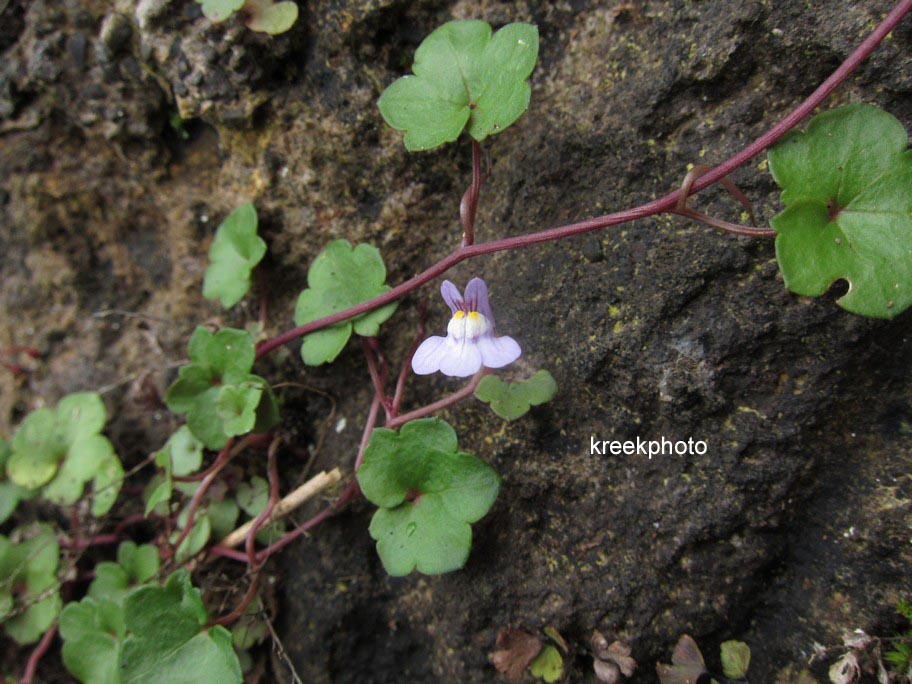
x=476, y=296
x=451, y=296
x=497, y=352
x=428, y=356
x=460, y=359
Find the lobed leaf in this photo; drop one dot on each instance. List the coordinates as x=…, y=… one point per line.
x=547, y=665
x=847, y=185
x=428, y=494
x=223, y=517
x=217, y=391
x=513, y=399
x=234, y=253
x=219, y=10
x=736, y=657
x=61, y=450
x=340, y=277
x=93, y=633
x=159, y=633
x=267, y=16
x=168, y=639
x=30, y=565
x=10, y=493
x=463, y=76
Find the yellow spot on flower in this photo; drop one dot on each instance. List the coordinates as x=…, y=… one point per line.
x=473, y=315
x=459, y=314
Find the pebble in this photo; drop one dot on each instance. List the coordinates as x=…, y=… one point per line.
x=76, y=49
x=115, y=32
x=592, y=249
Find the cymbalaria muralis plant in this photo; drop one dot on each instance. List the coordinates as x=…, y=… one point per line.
x=846, y=183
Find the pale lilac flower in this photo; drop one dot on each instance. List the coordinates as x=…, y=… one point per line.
x=470, y=342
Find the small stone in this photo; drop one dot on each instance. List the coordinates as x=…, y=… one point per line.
x=193, y=10
x=115, y=32
x=130, y=68
x=148, y=11
x=592, y=249
x=76, y=49
x=83, y=19
x=94, y=91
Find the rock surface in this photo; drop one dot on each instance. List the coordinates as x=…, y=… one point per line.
x=128, y=131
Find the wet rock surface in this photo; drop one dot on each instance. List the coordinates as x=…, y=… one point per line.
x=127, y=131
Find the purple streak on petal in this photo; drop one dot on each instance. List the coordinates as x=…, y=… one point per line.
x=427, y=357
x=476, y=294
x=451, y=296
x=460, y=359
x=497, y=352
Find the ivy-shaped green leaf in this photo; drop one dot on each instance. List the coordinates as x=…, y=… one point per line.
x=847, y=185
x=463, y=76
x=736, y=656
x=234, y=253
x=158, y=634
x=196, y=539
x=181, y=456
x=513, y=399
x=10, y=493
x=93, y=632
x=135, y=566
x=223, y=517
x=267, y=16
x=428, y=493
x=61, y=450
x=219, y=10
x=340, y=277
x=28, y=584
x=169, y=640
x=547, y=665
x=216, y=389
x=250, y=629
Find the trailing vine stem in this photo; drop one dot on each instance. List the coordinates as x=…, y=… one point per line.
x=658, y=206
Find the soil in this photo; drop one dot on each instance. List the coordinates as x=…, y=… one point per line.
x=129, y=130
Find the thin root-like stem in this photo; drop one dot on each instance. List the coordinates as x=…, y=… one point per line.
x=378, y=376
x=468, y=207
x=736, y=228
x=31, y=667
x=220, y=462
x=727, y=183
x=407, y=362
x=248, y=441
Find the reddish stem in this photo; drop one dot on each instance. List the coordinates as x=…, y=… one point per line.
x=378, y=378
x=652, y=208
x=40, y=650
x=352, y=492
x=248, y=441
x=441, y=404
x=236, y=614
x=261, y=519
x=368, y=429
x=79, y=543
x=223, y=458
x=407, y=362
x=727, y=226
x=249, y=547
x=468, y=207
